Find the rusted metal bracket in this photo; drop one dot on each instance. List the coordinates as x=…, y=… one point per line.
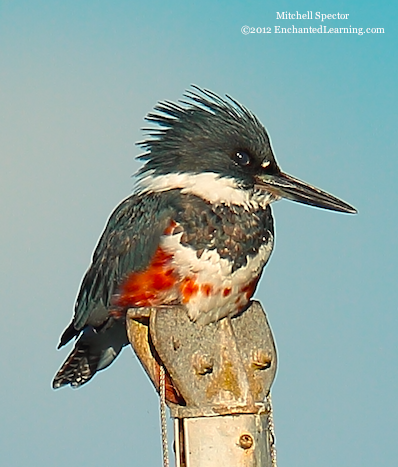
x=221, y=374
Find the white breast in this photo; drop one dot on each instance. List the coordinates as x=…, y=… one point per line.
x=225, y=295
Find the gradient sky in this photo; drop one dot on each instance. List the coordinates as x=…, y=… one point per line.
x=76, y=80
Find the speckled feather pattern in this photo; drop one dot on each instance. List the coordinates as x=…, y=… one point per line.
x=235, y=232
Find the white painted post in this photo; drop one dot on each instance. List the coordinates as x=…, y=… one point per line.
x=230, y=440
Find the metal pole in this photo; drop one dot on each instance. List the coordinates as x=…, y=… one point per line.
x=218, y=383
x=234, y=440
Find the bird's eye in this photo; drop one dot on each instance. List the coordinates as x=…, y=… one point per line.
x=241, y=158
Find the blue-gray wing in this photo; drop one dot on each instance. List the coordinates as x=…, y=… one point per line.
x=129, y=241
x=127, y=244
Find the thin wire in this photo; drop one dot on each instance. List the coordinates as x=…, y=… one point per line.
x=163, y=419
x=271, y=430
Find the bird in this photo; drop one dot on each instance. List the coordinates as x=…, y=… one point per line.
x=196, y=232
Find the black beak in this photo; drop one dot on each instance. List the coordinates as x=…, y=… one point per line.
x=285, y=186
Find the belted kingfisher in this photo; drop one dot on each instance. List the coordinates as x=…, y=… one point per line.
x=197, y=232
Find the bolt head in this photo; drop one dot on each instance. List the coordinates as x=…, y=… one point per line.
x=261, y=359
x=203, y=364
x=246, y=441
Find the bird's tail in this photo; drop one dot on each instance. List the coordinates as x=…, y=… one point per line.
x=93, y=351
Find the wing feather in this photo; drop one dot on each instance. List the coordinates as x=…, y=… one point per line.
x=127, y=245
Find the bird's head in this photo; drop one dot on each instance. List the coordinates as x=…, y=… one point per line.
x=219, y=150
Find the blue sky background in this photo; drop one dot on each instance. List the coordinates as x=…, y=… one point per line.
x=76, y=79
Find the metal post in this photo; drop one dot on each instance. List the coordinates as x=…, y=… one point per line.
x=218, y=383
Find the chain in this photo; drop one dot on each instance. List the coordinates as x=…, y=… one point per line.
x=163, y=419
x=271, y=431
